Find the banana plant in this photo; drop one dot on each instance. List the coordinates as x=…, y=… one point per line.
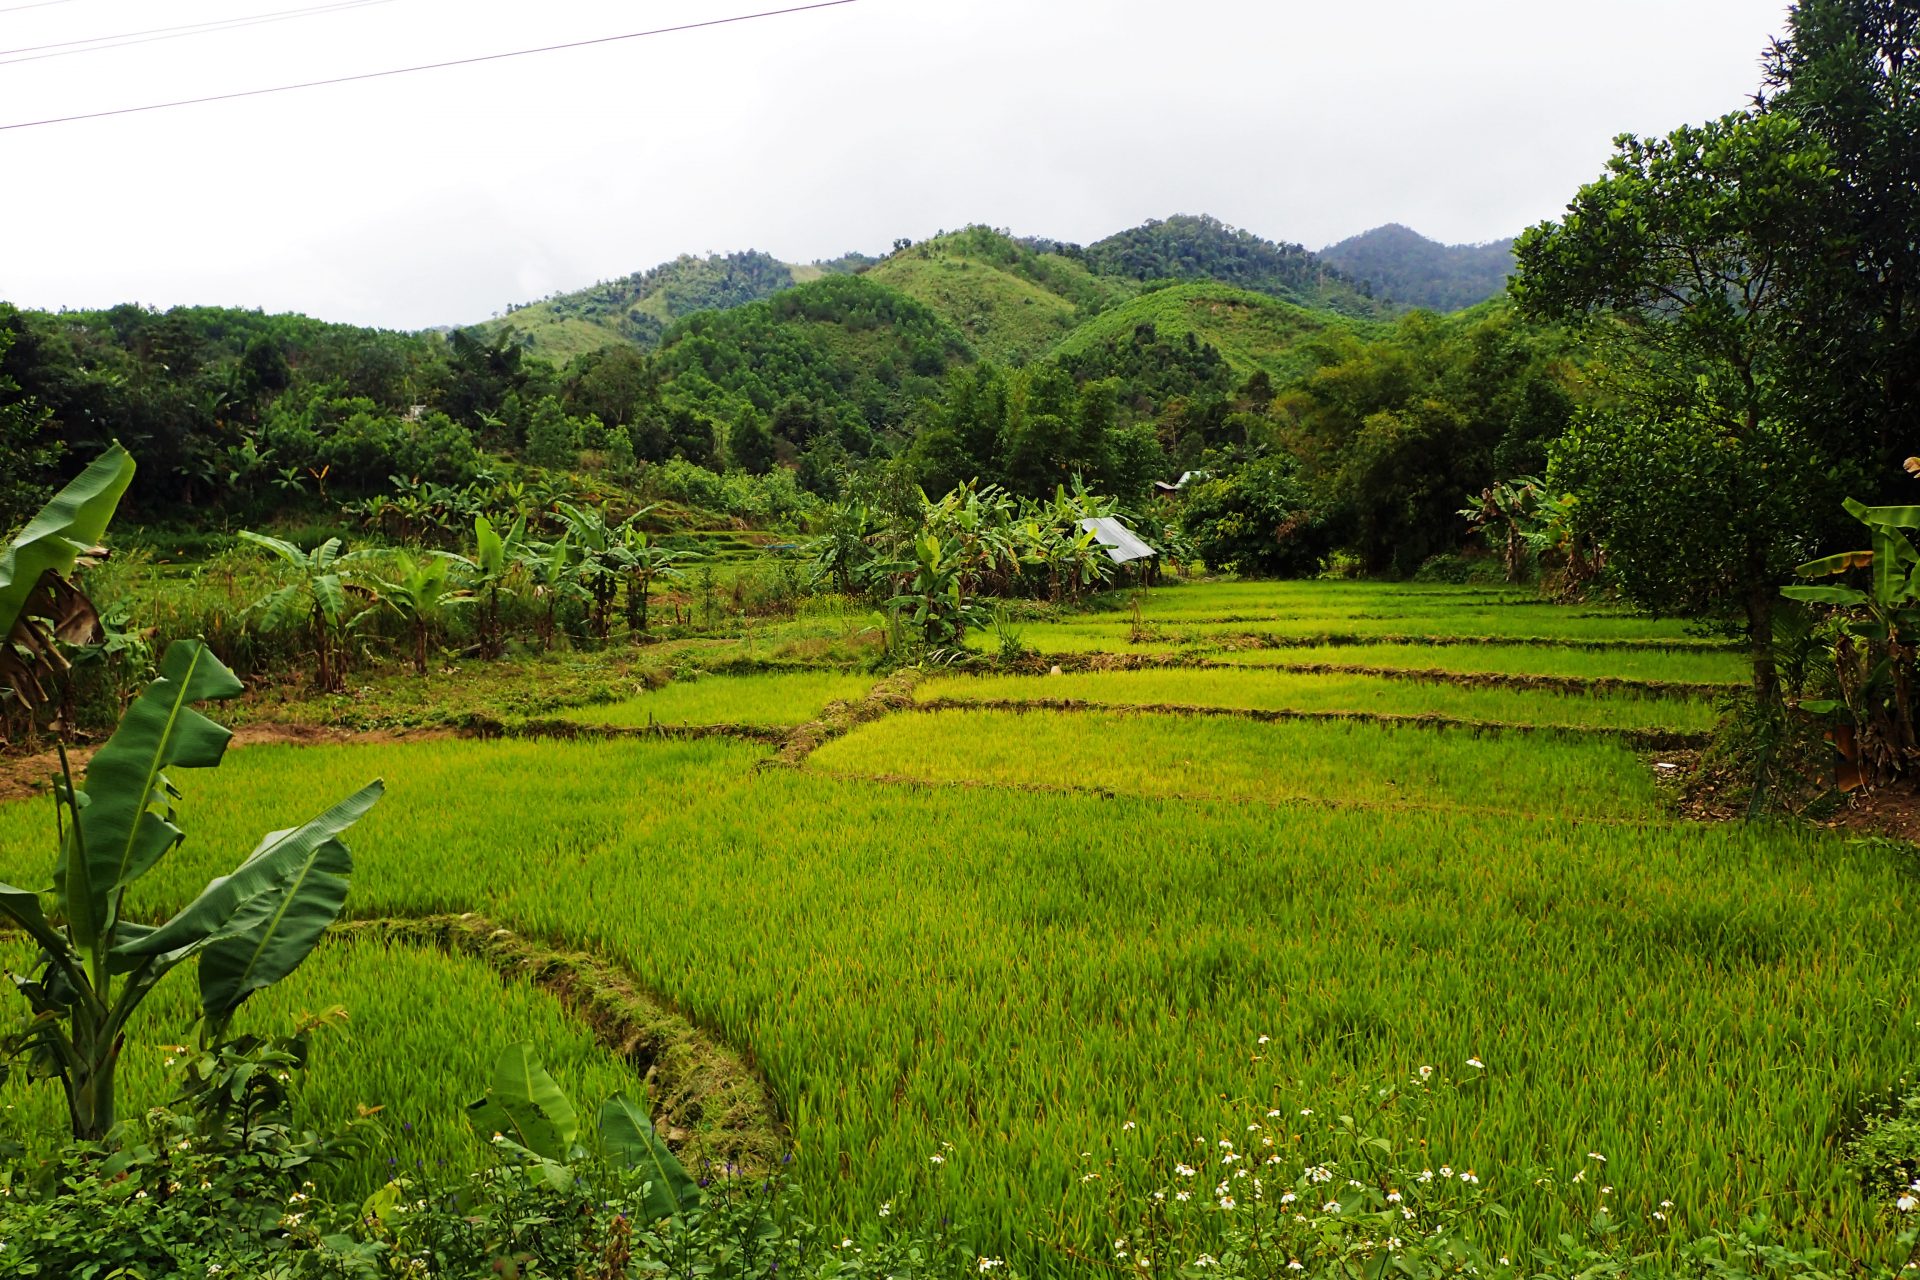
x=531, y=1125
x=551, y=566
x=599, y=561
x=931, y=596
x=319, y=598
x=646, y=562
x=1874, y=643
x=495, y=559
x=247, y=929
x=423, y=595
x=39, y=605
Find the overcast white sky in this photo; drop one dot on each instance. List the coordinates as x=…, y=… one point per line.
x=445, y=196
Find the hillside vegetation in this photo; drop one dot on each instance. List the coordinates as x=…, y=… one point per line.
x=1252, y=333
x=637, y=309
x=1012, y=301
x=1190, y=247
x=1405, y=267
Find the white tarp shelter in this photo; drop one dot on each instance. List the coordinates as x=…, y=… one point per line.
x=1122, y=544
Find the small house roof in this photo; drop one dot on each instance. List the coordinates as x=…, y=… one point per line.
x=1122, y=544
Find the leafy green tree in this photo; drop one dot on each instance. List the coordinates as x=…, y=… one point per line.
x=751, y=444
x=1254, y=518
x=1703, y=488
x=28, y=449
x=1848, y=71
x=553, y=439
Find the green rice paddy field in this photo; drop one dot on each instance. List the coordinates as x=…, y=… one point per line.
x=1016, y=927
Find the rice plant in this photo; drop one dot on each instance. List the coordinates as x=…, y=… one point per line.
x=1019, y=974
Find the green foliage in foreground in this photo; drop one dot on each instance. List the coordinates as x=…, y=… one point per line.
x=1021, y=974
x=201, y=1195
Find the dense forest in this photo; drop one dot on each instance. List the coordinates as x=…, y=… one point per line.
x=1405, y=267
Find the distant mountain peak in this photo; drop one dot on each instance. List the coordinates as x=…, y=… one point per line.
x=1406, y=267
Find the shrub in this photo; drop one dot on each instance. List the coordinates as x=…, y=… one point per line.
x=1253, y=519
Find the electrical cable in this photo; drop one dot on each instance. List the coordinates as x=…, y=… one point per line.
x=37, y=4
x=427, y=66
x=208, y=27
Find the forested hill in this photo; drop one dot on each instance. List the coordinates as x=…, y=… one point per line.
x=1189, y=247
x=1405, y=267
x=637, y=309
x=1250, y=332
x=1013, y=301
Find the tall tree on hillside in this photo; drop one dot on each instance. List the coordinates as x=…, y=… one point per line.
x=1704, y=487
x=1849, y=72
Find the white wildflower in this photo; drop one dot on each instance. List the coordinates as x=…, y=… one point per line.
x=1331, y=1206
x=1476, y=1064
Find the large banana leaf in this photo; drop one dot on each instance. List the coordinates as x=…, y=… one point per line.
x=279, y=546
x=22, y=906
x=126, y=823
x=257, y=893
x=627, y=1136
x=279, y=932
x=38, y=604
x=65, y=529
x=1837, y=563
x=1906, y=517
x=526, y=1107
x=1825, y=595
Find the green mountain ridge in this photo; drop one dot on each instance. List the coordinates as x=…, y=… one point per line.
x=1013, y=299
x=1407, y=268
x=637, y=309
x=1252, y=332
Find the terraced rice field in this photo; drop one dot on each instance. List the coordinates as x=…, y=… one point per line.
x=782, y=698
x=1017, y=930
x=1326, y=694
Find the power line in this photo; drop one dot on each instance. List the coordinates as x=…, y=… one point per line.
x=98, y=44
x=426, y=66
x=38, y=4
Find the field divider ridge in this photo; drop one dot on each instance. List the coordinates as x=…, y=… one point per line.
x=1643, y=739
x=707, y=1098
x=486, y=728
x=1596, y=686
x=839, y=718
